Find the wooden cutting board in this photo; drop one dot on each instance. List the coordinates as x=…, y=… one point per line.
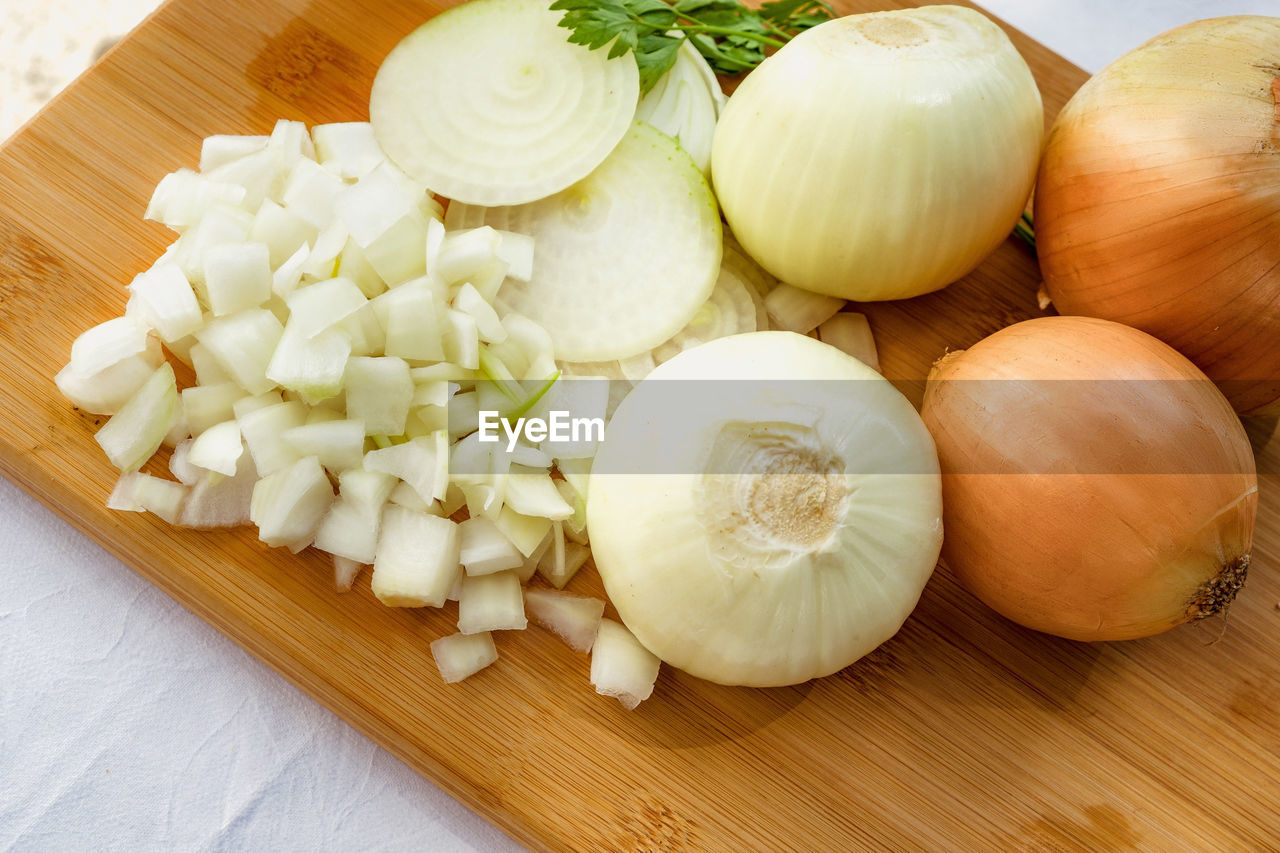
x=962, y=732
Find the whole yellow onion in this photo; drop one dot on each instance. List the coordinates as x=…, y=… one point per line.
x=1158, y=202
x=1095, y=484
x=880, y=156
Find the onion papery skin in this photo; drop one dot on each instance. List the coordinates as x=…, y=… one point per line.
x=1096, y=485
x=1158, y=201
x=880, y=156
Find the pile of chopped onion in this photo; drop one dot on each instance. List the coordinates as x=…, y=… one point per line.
x=342, y=344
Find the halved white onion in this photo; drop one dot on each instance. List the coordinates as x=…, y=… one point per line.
x=782, y=526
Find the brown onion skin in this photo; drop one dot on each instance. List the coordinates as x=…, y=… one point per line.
x=1053, y=515
x=1158, y=200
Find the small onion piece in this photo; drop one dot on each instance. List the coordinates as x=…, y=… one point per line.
x=109, y=363
x=794, y=310
x=573, y=618
x=488, y=103
x=621, y=667
x=1158, y=201
x=880, y=156
x=1097, y=485
x=134, y=433
x=460, y=656
x=780, y=527
x=850, y=332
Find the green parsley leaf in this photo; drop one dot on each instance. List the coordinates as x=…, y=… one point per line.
x=732, y=37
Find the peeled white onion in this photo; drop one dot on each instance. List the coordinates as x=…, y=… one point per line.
x=880, y=156
x=777, y=525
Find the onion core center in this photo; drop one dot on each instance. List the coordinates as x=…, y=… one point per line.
x=522, y=78
x=583, y=209
x=893, y=31
x=772, y=494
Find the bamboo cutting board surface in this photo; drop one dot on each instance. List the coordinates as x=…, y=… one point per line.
x=964, y=731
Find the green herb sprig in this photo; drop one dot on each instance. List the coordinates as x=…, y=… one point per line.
x=733, y=37
x=1025, y=230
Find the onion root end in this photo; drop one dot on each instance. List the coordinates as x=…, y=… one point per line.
x=1217, y=593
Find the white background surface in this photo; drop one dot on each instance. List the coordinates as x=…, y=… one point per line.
x=128, y=724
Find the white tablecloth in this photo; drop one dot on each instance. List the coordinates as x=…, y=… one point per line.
x=128, y=724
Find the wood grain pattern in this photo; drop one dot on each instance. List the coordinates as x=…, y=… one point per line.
x=962, y=732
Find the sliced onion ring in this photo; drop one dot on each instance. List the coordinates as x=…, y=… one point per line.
x=488, y=103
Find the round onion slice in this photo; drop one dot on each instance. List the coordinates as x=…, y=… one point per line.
x=489, y=103
x=624, y=258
